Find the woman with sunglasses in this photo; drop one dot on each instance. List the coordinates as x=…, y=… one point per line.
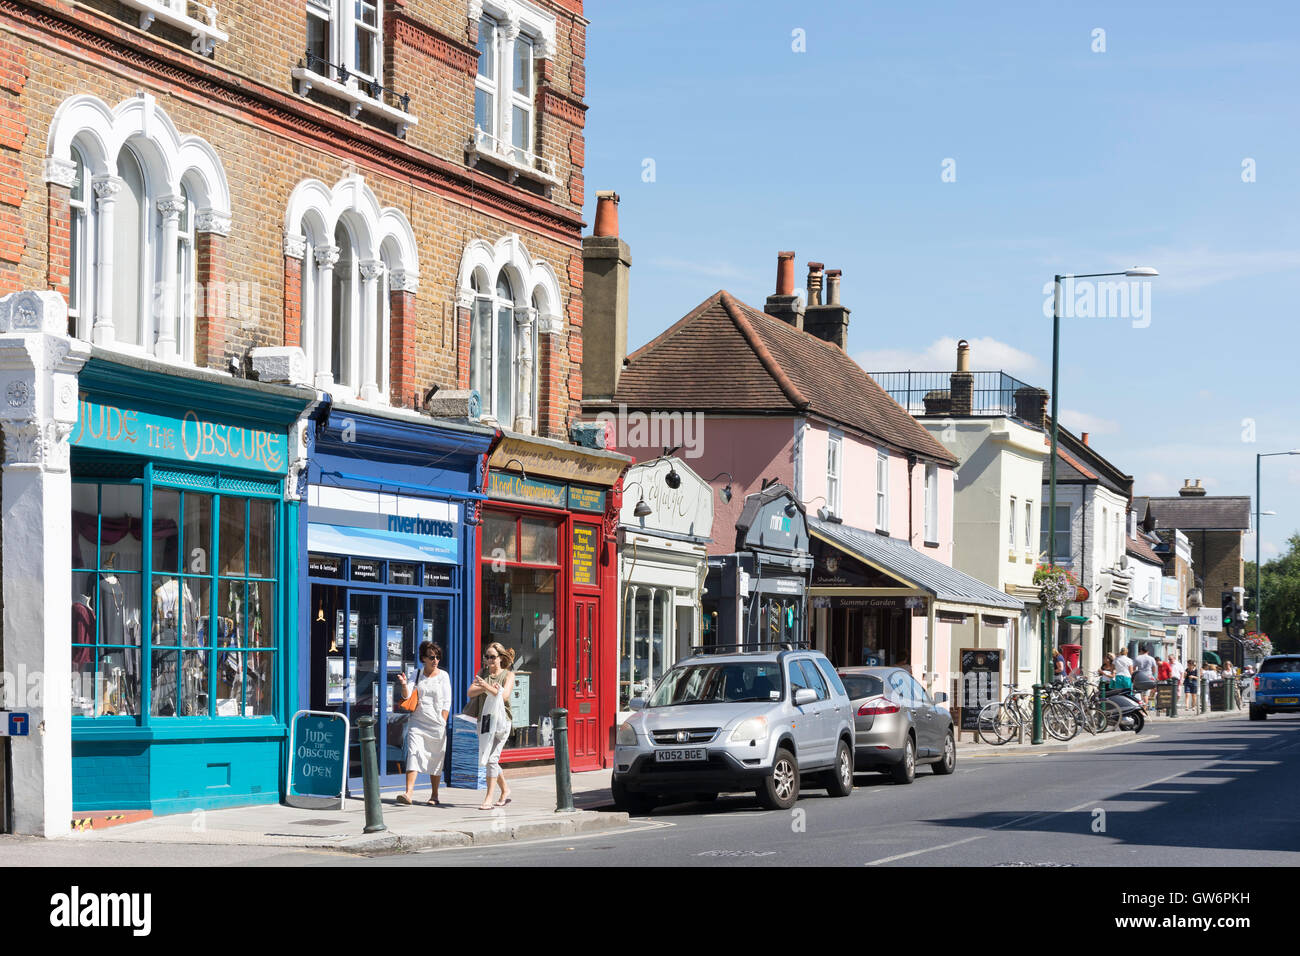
x=426, y=730
x=496, y=679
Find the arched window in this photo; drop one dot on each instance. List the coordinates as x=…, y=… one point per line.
x=80, y=258
x=130, y=240
x=342, y=307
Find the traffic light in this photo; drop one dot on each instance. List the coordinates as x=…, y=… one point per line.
x=1229, y=606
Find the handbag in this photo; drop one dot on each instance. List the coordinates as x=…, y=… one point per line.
x=411, y=701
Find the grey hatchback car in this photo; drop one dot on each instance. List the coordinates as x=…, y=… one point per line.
x=897, y=723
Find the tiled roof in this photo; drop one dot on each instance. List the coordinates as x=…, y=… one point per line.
x=1204, y=512
x=727, y=357
x=1139, y=548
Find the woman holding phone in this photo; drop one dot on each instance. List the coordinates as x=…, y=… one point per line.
x=426, y=731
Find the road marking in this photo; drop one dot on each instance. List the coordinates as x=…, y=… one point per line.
x=612, y=832
x=944, y=846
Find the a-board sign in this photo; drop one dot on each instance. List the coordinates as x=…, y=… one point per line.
x=981, y=681
x=318, y=759
x=1164, y=697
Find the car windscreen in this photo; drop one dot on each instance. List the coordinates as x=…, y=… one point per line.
x=1281, y=665
x=718, y=683
x=862, y=685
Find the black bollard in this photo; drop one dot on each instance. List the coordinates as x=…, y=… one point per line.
x=563, y=779
x=370, y=776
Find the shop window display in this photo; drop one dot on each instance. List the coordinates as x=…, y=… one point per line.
x=211, y=624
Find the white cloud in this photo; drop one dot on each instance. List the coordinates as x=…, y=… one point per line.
x=714, y=270
x=1092, y=424
x=987, y=354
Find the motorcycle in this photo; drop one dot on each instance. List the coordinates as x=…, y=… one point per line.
x=1132, y=712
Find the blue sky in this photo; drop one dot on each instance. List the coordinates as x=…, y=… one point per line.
x=1066, y=159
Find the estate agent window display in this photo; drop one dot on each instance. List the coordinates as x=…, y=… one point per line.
x=208, y=568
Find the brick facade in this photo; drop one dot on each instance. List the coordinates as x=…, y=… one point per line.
x=243, y=101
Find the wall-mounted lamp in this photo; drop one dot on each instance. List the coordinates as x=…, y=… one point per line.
x=516, y=461
x=642, y=509
x=823, y=512
x=726, y=491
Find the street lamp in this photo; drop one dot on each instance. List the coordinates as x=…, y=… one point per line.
x=1137, y=272
x=1259, y=597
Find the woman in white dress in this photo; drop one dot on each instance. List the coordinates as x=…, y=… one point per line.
x=426, y=730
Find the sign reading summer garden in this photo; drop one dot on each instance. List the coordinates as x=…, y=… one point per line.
x=320, y=754
x=190, y=438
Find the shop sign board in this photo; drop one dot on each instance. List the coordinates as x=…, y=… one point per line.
x=565, y=462
x=1210, y=619
x=318, y=759
x=529, y=491
x=584, y=554
x=981, y=678
x=582, y=498
x=189, y=438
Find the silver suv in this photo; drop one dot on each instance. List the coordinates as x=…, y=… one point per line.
x=748, y=720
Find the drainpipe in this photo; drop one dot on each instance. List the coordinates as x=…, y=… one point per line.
x=911, y=502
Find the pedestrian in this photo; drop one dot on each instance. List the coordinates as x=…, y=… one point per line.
x=426, y=730
x=1144, y=674
x=1123, y=670
x=497, y=680
x=1176, y=671
x=1107, y=669
x=1190, y=685
x=1164, y=670
x=1058, y=664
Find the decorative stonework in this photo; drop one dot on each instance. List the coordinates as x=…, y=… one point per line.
x=295, y=246
x=171, y=208
x=106, y=189
x=371, y=270
x=327, y=256
x=420, y=36
x=550, y=324
x=401, y=280
x=18, y=394
x=556, y=104
x=214, y=222
x=60, y=172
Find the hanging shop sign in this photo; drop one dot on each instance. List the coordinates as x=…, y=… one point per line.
x=529, y=491
x=318, y=748
x=188, y=438
x=539, y=457
x=585, y=538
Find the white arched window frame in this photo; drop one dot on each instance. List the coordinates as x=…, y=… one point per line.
x=133, y=280
x=496, y=351
x=354, y=257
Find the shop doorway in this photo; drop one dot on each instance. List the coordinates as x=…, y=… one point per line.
x=585, y=746
x=361, y=641
x=870, y=637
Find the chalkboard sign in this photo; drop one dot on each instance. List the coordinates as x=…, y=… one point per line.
x=981, y=682
x=318, y=755
x=1164, y=696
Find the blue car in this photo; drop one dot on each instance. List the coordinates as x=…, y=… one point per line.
x=1277, y=687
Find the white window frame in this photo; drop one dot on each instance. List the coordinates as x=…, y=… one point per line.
x=1011, y=540
x=81, y=258
x=932, y=503
x=834, y=471
x=882, y=490
x=498, y=352
x=1062, y=527
x=1029, y=527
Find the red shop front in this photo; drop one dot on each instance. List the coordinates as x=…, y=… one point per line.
x=548, y=575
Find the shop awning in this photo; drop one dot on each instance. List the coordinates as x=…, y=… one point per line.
x=896, y=558
x=373, y=543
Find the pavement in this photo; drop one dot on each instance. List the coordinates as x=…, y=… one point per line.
x=969, y=747
x=530, y=815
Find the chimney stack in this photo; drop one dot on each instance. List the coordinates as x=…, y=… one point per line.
x=961, y=384
x=785, y=304
x=1188, y=490
x=829, y=322
x=1031, y=406
x=606, y=263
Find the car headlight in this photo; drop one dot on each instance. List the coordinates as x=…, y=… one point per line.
x=626, y=735
x=755, y=728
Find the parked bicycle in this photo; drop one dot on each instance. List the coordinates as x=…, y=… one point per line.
x=1000, y=721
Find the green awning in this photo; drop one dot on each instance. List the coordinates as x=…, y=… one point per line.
x=1075, y=619
x=1212, y=657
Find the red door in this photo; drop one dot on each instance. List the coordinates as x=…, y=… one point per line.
x=584, y=699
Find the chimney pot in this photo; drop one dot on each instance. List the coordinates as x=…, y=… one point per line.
x=963, y=356
x=815, y=283
x=1085, y=437
x=833, y=286
x=606, y=213
x=785, y=273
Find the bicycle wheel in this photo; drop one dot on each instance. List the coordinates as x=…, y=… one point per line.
x=1112, y=712
x=1059, y=721
x=990, y=725
x=1095, y=717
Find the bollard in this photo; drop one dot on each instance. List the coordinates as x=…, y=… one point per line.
x=370, y=776
x=563, y=780
x=1038, y=714
x=1173, y=698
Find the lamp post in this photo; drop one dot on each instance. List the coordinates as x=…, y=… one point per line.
x=1259, y=596
x=1049, y=629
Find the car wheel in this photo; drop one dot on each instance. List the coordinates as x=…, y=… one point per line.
x=946, y=763
x=839, y=781
x=1258, y=713
x=781, y=788
x=637, y=804
x=905, y=770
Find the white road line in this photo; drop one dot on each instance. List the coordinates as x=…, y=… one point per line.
x=930, y=849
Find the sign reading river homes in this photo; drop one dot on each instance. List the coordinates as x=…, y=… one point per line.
x=189, y=438
x=318, y=759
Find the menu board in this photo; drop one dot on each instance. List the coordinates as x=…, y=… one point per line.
x=980, y=681
x=584, y=554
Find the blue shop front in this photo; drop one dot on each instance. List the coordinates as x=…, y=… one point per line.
x=183, y=541
x=389, y=542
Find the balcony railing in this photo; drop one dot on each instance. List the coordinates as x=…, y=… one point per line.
x=358, y=91
x=994, y=393
x=517, y=159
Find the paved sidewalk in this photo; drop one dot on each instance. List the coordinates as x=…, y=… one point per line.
x=967, y=747
x=458, y=822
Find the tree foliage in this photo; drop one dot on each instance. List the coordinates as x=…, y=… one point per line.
x=1280, y=583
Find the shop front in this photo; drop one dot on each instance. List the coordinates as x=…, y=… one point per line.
x=758, y=594
x=879, y=602
x=663, y=535
x=548, y=580
x=184, y=554
x=389, y=537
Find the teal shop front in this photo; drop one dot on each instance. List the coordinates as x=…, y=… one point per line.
x=184, y=563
